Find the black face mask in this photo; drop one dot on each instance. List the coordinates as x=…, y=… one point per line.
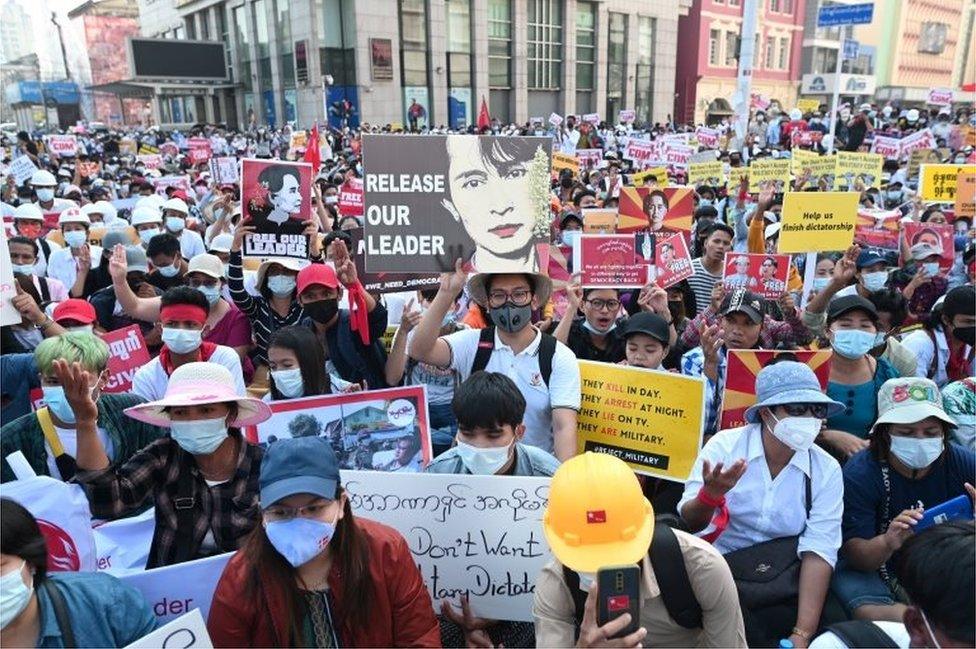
x=322, y=311
x=965, y=334
x=511, y=318
x=566, y=182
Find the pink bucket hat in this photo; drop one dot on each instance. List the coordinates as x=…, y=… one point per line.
x=196, y=384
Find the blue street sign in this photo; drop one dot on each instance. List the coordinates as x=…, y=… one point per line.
x=851, y=48
x=834, y=15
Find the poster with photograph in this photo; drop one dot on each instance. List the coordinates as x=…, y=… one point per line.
x=378, y=430
x=181, y=183
x=668, y=254
x=276, y=199
x=381, y=58
x=773, y=170
x=432, y=199
x=858, y=171
x=608, y=261
x=938, y=235
x=878, y=231
x=224, y=170
x=386, y=282
x=821, y=169
x=660, y=210
x=763, y=274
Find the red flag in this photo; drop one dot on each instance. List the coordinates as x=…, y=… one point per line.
x=312, y=153
x=484, y=119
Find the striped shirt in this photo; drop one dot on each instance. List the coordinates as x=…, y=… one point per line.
x=702, y=283
x=265, y=321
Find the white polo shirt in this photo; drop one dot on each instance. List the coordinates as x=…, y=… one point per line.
x=150, y=380
x=762, y=508
x=523, y=368
x=63, y=266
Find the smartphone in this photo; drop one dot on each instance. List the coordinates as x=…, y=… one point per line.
x=959, y=508
x=618, y=593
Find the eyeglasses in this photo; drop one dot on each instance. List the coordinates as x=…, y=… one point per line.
x=600, y=305
x=278, y=513
x=818, y=410
x=518, y=297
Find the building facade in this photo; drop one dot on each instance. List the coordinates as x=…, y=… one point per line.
x=822, y=46
x=15, y=32
x=708, y=47
x=426, y=62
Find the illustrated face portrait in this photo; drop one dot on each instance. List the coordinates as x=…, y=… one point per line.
x=489, y=194
x=667, y=254
x=289, y=197
x=768, y=269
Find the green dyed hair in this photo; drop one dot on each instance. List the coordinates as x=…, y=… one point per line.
x=85, y=348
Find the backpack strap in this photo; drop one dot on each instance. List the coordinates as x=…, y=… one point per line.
x=862, y=633
x=547, y=350
x=45, y=290
x=571, y=578
x=934, y=365
x=67, y=466
x=672, y=578
x=60, y=613
x=486, y=345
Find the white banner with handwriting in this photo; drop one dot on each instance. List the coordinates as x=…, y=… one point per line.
x=479, y=536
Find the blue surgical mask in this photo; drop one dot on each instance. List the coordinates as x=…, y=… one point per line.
x=289, y=382
x=182, y=341
x=281, y=285
x=76, y=238
x=175, y=224
x=931, y=268
x=704, y=202
x=853, y=343
x=146, y=235
x=23, y=269
x=594, y=330
x=200, y=437
x=45, y=195
x=570, y=237
x=170, y=271
x=301, y=539
x=483, y=461
x=874, y=281
x=57, y=403
x=212, y=293
x=916, y=453
x=820, y=283
x=14, y=595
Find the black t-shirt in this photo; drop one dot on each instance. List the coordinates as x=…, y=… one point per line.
x=165, y=283
x=580, y=342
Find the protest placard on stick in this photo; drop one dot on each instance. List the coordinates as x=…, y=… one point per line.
x=276, y=200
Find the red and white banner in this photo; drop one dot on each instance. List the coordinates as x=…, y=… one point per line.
x=589, y=157
x=889, y=147
x=63, y=146
x=127, y=353
x=351, y=197
x=921, y=140
x=150, y=160
x=640, y=151
x=676, y=155
x=626, y=116
x=200, y=150
x=940, y=97
x=165, y=182
x=169, y=148
x=609, y=261
x=592, y=118
x=707, y=137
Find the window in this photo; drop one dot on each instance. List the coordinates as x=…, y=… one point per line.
x=731, y=48
x=770, y=52
x=774, y=5
x=191, y=27
x=243, y=41
x=616, y=61
x=459, y=43
x=263, y=41
x=204, y=26
x=932, y=38
x=338, y=36
x=286, y=47
x=500, y=44
x=784, y=53
x=585, y=45
x=713, y=46
x=788, y=7
x=645, y=68
x=413, y=42
x=545, y=44
x=735, y=3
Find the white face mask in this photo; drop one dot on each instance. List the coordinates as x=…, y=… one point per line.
x=200, y=437
x=797, y=432
x=146, y=235
x=14, y=595
x=931, y=268
x=586, y=580
x=916, y=453
x=289, y=382
x=87, y=329
x=874, y=281
x=75, y=238
x=182, y=341
x=483, y=461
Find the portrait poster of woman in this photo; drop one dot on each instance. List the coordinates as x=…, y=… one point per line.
x=276, y=199
x=657, y=210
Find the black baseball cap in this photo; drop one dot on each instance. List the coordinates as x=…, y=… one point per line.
x=841, y=305
x=743, y=301
x=650, y=324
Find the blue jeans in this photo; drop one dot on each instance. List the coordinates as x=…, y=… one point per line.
x=443, y=427
x=856, y=588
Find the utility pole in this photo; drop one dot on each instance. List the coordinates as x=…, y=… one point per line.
x=747, y=53
x=64, y=53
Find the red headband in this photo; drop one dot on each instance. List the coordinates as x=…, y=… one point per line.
x=183, y=312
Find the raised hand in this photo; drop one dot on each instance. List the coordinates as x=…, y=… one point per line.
x=717, y=482
x=242, y=229
x=78, y=384
x=411, y=317
x=453, y=283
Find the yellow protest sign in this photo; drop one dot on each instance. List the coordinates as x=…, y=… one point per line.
x=706, y=173
x=818, y=221
x=599, y=220
x=657, y=175
x=808, y=105
x=562, y=161
x=820, y=167
x=858, y=170
x=969, y=135
x=651, y=420
x=966, y=193
x=938, y=182
x=772, y=170
x=736, y=174
x=299, y=140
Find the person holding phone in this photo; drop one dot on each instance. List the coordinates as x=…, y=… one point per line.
x=599, y=524
x=910, y=466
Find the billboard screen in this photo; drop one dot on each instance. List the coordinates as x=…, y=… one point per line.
x=153, y=58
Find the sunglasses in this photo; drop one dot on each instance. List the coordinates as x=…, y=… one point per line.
x=818, y=410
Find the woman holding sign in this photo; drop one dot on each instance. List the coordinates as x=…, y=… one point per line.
x=312, y=574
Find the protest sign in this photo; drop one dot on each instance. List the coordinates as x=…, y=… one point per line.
x=22, y=168
x=740, y=382
x=707, y=137
x=599, y=220
x=431, y=199
x=63, y=146
x=938, y=235
x=298, y=141
x=127, y=353
x=917, y=141
x=652, y=420
x=966, y=194
x=660, y=210
x=817, y=221
x=766, y=170
x=148, y=149
x=62, y=513
x=735, y=177
x=122, y=545
x=800, y=138
x=172, y=591
x=199, y=150
x=88, y=168
x=640, y=151
x=351, y=197
x=555, y=119
x=820, y=168
x=562, y=161
x=188, y=631
x=381, y=430
x=150, y=160
x=224, y=170
x=626, y=116
x=9, y=315
x=937, y=182
x=471, y=535
x=808, y=105
x=276, y=199
x=877, y=230
x=608, y=261
x=889, y=147
x=706, y=173
x=177, y=182
x=169, y=148
x=127, y=146
x=386, y=282
x=656, y=177
x=858, y=171
x=940, y=97
x=668, y=254
x=676, y=155
x=592, y=118
x=760, y=273
x=589, y=158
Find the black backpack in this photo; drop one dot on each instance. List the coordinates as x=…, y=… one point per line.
x=672, y=577
x=486, y=345
x=862, y=633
